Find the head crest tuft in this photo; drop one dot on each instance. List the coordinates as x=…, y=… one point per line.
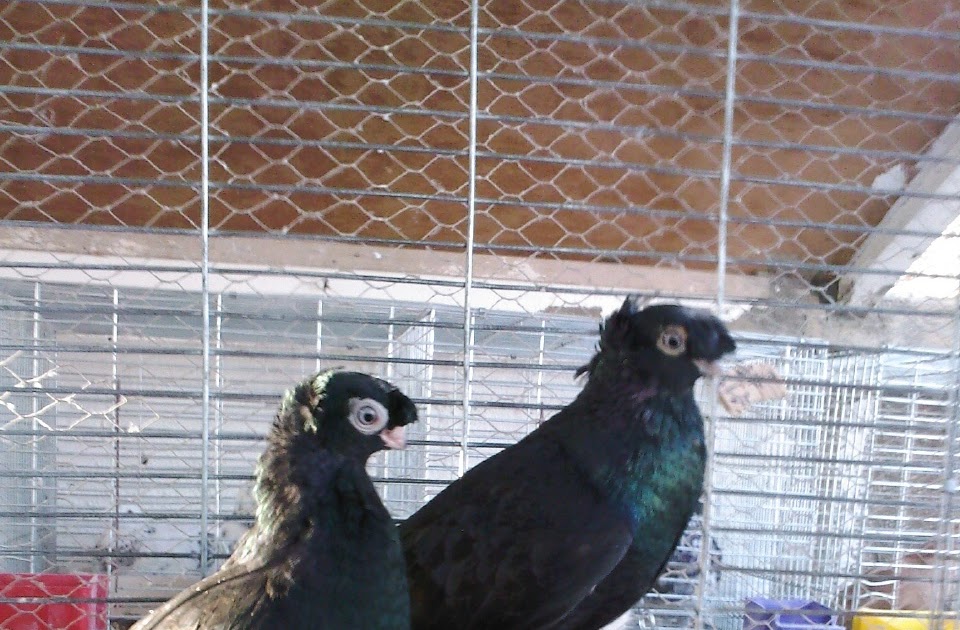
x=308, y=393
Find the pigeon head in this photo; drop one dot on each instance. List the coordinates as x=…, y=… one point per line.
x=352, y=414
x=678, y=344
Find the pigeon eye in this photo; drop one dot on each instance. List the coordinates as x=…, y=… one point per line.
x=367, y=415
x=673, y=341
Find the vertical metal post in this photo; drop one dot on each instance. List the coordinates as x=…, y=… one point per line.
x=725, y=170
x=908, y=455
x=319, y=365
x=218, y=420
x=427, y=381
x=387, y=458
x=391, y=343
x=37, y=485
x=540, y=358
x=205, y=281
x=874, y=376
x=426, y=391
x=471, y=216
x=469, y=340
x=826, y=475
x=115, y=377
x=726, y=167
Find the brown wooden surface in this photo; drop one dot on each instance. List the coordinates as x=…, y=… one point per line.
x=639, y=207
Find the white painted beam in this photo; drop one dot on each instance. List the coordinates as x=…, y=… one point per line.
x=530, y=284
x=893, y=254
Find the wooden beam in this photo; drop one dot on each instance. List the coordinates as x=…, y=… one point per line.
x=893, y=254
x=292, y=253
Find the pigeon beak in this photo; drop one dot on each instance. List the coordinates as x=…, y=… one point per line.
x=707, y=368
x=393, y=438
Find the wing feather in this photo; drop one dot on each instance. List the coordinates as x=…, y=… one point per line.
x=215, y=601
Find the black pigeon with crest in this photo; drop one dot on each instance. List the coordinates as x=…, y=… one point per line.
x=323, y=552
x=569, y=527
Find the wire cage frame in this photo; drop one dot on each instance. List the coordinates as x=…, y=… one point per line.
x=202, y=202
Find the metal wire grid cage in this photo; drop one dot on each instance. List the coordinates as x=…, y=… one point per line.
x=105, y=454
x=206, y=201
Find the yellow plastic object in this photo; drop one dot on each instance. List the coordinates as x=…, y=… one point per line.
x=911, y=620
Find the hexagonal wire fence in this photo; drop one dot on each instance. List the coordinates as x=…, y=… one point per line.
x=203, y=202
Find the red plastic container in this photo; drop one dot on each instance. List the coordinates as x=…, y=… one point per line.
x=81, y=615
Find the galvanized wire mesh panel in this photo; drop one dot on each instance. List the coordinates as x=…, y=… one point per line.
x=449, y=195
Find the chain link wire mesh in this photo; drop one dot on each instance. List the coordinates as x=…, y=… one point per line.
x=449, y=195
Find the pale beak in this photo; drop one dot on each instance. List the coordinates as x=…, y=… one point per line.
x=707, y=368
x=393, y=438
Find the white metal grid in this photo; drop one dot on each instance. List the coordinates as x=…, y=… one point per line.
x=216, y=145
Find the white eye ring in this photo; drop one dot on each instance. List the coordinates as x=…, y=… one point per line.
x=673, y=341
x=367, y=415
